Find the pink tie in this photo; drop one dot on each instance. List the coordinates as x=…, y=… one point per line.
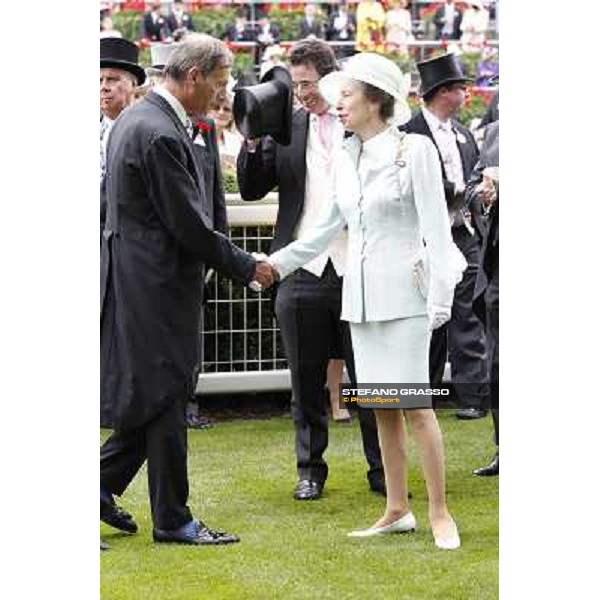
x=324, y=129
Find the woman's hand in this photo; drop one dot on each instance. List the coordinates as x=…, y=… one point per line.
x=438, y=315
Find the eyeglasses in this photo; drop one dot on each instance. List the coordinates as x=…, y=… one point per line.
x=308, y=86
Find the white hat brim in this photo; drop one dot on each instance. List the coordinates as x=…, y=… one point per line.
x=331, y=84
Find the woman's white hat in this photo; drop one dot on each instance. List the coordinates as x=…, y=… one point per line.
x=376, y=70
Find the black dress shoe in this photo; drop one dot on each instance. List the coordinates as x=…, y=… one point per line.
x=377, y=485
x=194, y=533
x=470, y=414
x=308, y=490
x=490, y=470
x=199, y=422
x=116, y=517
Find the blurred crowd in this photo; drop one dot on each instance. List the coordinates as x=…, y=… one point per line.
x=367, y=25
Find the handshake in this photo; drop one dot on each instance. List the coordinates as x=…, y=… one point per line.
x=264, y=275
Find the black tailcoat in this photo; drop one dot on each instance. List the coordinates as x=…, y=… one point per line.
x=156, y=240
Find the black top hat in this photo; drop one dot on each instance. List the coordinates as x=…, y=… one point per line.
x=438, y=71
x=121, y=54
x=266, y=108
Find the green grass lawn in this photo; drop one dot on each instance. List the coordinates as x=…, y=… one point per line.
x=242, y=475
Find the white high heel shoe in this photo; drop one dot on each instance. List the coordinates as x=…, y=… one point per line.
x=401, y=525
x=451, y=542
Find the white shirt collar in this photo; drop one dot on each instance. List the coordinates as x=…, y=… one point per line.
x=174, y=103
x=376, y=140
x=433, y=121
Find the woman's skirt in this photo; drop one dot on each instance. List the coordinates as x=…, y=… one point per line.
x=391, y=352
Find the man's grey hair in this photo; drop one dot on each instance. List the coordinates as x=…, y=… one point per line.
x=197, y=50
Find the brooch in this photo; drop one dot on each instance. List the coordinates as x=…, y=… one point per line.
x=400, y=161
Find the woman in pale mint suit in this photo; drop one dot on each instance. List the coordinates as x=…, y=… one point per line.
x=389, y=194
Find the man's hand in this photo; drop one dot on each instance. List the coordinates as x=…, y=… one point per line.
x=487, y=191
x=265, y=274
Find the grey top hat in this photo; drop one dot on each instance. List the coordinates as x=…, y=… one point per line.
x=159, y=55
x=120, y=53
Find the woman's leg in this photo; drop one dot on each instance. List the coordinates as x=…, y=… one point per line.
x=392, y=440
x=334, y=378
x=428, y=436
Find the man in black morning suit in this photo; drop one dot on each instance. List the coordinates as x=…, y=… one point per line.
x=157, y=238
x=155, y=26
x=308, y=303
x=443, y=91
x=206, y=150
x=486, y=300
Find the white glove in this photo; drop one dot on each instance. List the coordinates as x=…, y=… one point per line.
x=438, y=315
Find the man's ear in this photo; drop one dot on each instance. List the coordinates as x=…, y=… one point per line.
x=194, y=75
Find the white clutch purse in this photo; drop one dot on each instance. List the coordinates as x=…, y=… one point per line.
x=422, y=274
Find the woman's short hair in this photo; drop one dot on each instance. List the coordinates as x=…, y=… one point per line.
x=197, y=50
x=385, y=101
x=313, y=52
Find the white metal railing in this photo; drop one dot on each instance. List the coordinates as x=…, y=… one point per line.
x=242, y=349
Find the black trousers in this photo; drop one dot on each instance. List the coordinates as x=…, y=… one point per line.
x=462, y=340
x=308, y=310
x=163, y=442
x=492, y=303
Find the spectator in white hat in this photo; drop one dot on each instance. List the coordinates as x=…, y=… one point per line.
x=474, y=25
x=389, y=195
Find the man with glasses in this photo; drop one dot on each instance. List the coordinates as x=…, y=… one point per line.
x=443, y=90
x=308, y=303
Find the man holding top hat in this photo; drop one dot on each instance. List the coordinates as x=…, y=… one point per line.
x=443, y=92
x=157, y=238
x=296, y=158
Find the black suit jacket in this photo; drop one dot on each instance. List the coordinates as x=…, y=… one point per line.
x=488, y=268
x=469, y=155
x=232, y=34
x=155, y=32
x=439, y=25
x=492, y=113
x=273, y=165
x=210, y=164
x=316, y=29
x=187, y=22
x=273, y=30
